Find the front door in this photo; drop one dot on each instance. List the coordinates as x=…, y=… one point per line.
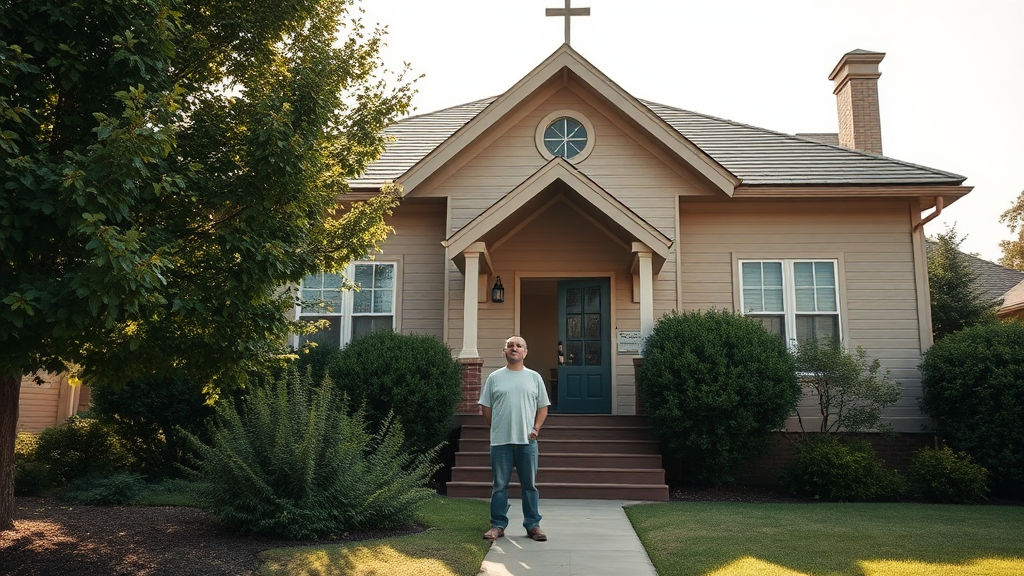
x=584, y=328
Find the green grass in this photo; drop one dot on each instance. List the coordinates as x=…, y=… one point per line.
x=727, y=539
x=451, y=546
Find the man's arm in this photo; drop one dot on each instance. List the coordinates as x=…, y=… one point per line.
x=538, y=422
x=486, y=411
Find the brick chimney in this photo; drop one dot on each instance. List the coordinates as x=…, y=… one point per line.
x=856, y=90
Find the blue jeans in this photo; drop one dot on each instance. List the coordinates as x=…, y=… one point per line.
x=524, y=458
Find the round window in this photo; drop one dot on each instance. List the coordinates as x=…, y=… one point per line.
x=565, y=137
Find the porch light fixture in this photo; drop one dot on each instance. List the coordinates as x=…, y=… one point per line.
x=498, y=292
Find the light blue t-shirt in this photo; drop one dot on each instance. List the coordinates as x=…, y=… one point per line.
x=514, y=396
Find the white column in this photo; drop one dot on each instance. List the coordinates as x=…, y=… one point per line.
x=470, y=309
x=646, y=294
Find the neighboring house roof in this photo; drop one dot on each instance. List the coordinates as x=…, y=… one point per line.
x=996, y=282
x=755, y=155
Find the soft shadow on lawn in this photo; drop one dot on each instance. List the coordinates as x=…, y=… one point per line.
x=730, y=539
x=451, y=546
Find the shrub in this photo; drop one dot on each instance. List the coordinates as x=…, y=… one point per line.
x=31, y=478
x=947, y=476
x=974, y=391
x=147, y=413
x=714, y=385
x=412, y=376
x=296, y=465
x=843, y=470
x=851, y=391
x=119, y=488
x=81, y=446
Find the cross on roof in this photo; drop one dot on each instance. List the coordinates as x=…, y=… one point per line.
x=567, y=12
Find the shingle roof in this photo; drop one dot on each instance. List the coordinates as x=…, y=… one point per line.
x=756, y=155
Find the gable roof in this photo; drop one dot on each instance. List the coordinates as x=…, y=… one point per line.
x=750, y=155
x=528, y=200
x=564, y=66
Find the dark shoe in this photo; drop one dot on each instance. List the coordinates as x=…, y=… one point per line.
x=537, y=534
x=494, y=533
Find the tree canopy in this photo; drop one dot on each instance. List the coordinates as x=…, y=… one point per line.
x=1013, y=250
x=169, y=167
x=956, y=298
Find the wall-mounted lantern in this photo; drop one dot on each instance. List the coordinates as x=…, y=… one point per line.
x=498, y=292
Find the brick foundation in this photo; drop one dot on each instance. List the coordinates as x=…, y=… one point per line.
x=471, y=384
x=896, y=452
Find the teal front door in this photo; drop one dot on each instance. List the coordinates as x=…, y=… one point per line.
x=584, y=328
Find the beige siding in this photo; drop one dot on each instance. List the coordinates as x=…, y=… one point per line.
x=416, y=244
x=48, y=402
x=871, y=240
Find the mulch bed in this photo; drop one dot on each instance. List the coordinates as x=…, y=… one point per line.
x=54, y=538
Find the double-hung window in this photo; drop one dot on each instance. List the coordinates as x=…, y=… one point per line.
x=796, y=299
x=366, y=305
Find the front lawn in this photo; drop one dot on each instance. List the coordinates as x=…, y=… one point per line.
x=451, y=546
x=729, y=539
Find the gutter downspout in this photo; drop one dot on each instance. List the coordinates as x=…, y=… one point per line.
x=938, y=210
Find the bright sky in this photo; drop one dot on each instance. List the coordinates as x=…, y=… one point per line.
x=951, y=92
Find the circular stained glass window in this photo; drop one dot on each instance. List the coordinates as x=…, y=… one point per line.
x=565, y=137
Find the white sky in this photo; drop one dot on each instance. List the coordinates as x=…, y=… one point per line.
x=951, y=92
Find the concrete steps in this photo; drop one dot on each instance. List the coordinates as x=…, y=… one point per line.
x=581, y=456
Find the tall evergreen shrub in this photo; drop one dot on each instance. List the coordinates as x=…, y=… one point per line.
x=714, y=385
x=412, y=376
x=291, y=462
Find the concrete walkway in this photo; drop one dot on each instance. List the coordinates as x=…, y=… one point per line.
x=585, y=538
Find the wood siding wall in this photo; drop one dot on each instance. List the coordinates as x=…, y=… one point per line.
x=47, y=404
x=871, y=240
x=416, y=244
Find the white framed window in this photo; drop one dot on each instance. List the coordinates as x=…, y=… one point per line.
x=796, y=299
x=365, y=305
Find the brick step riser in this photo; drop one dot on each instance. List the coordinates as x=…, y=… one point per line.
x=572, y=433
x=571, y=476
x=463, y=459
x=575, y=446
x=592, y=491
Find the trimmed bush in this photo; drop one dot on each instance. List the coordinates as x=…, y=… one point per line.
x=974, y=391
x=82, y=446
x=294, y=464
x=410, y=375
x=947, y=476
x=148, y=412
x=31, y=478
x=714, y=385
x=841, y=470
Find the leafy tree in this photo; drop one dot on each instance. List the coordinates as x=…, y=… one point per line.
x=957, y=300
x=851, y=391
x=167, y=167
x=1013, y=250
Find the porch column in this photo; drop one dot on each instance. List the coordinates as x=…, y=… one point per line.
x=470, y=312
x=646, y=273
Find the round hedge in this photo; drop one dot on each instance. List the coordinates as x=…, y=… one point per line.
x=974, y=391
x=411, y=374
x=714, y=385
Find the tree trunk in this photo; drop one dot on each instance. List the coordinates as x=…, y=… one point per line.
x=10, y=390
